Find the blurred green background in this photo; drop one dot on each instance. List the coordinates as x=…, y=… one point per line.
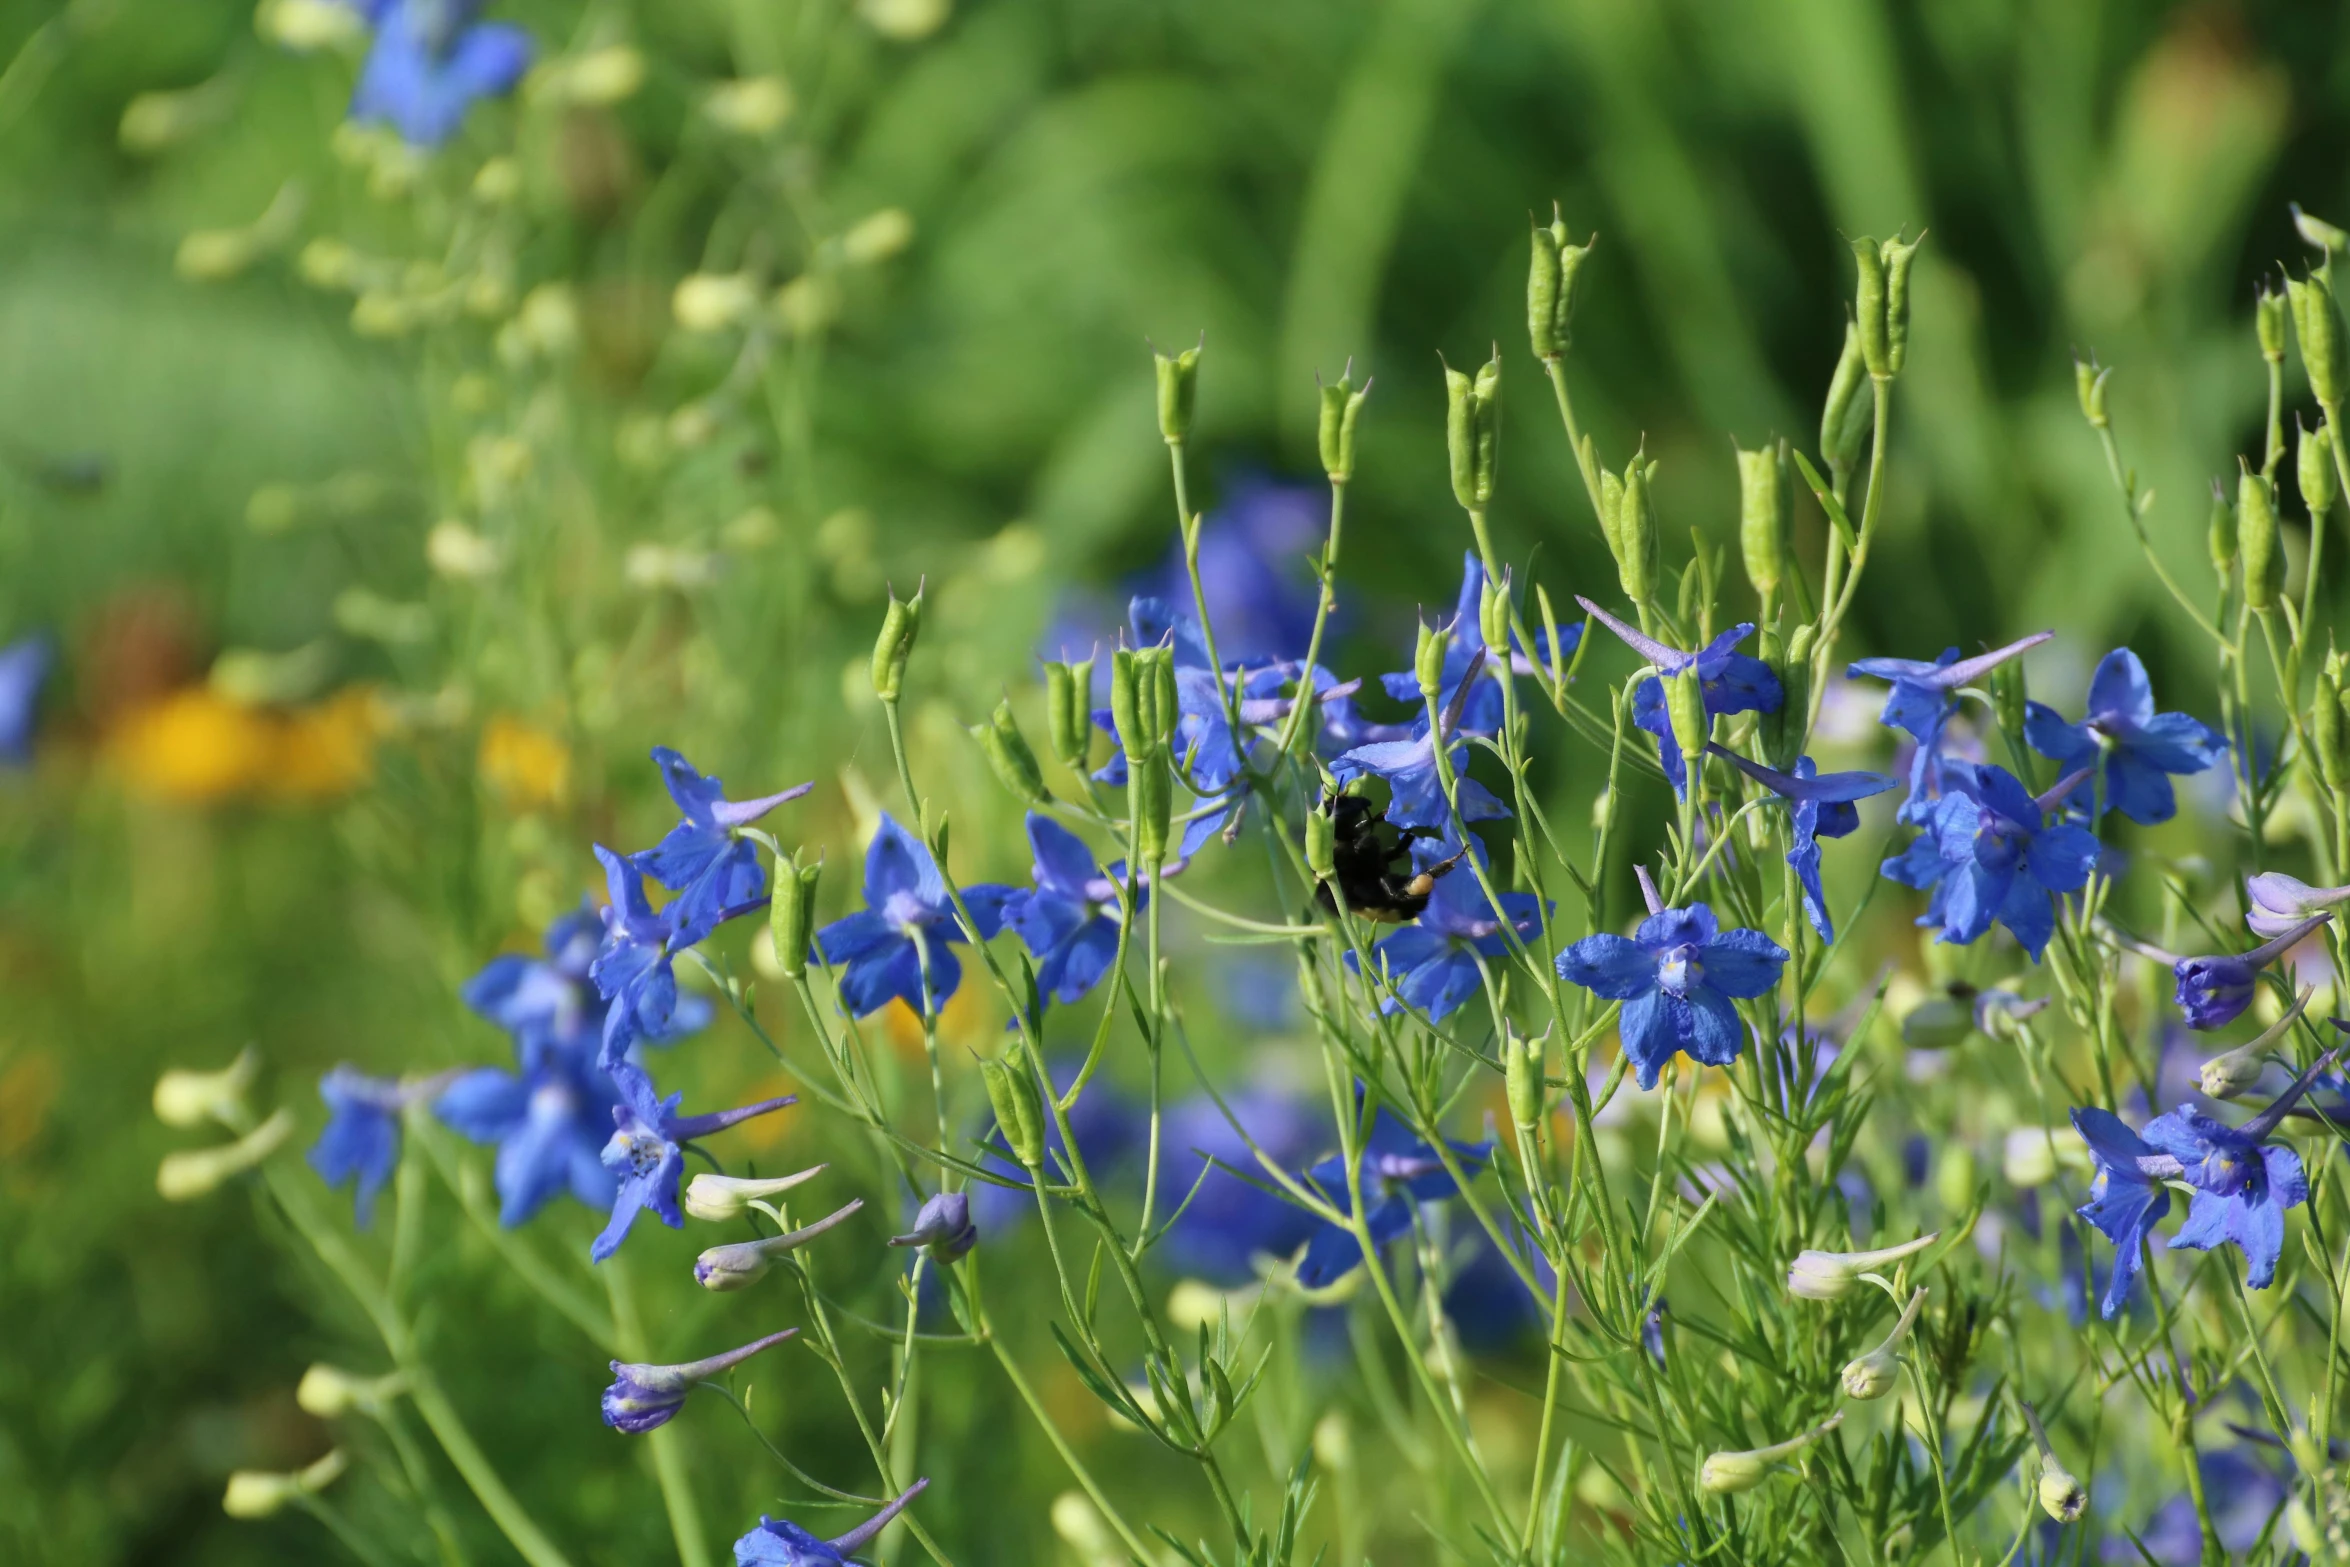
x=1302, y=182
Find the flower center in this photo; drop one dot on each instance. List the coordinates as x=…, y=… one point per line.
x=638, y=1153
x=1679, y=970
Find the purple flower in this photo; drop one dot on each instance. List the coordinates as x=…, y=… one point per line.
x=642, y=1397
x=705, y=860
x=1399, y=1172
x=1988, y=855
x=24, y=665
x=1677, y=976
x=1924, y=700
x=2214, y=991
x=1070, y=920
x=778, y=1542
x=1432, y=963
x=1732, y=682
x=647, y=1152
x=943, y=1226
x=905, y=927
x=431, y=60
x=2280, y=902
x=361, y=1140
x=1823, y=808
x=2141, y=748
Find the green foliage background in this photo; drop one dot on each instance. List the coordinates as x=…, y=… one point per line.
x=1302, y=181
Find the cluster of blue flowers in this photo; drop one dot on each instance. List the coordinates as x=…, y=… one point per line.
x=431, y=61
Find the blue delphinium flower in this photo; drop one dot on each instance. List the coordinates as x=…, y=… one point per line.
x=633, y=970
x=1225, y=1224
x=1923, y=701
x=1399, y=1172
x=551, y=1002
x=1481, y=710
x=2214, y=991
x=361, y=1140
x=907, y=923
x=705, y=859
x=2141, y=748
x=943, y=1227
x=1733, y=682
x=647, y=1151
x=1432, y=963
x=1988, y=854
x=24, y=665
x=549, y=1123
x=1823, y=807
x=2242, y=1185
x=778, y=1542
x=430, y=62
x=643, y=1397
x=1069, y=920
x=1677, y=975
x=1415, y=788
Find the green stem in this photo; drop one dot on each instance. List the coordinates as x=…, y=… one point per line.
x=670, y=1468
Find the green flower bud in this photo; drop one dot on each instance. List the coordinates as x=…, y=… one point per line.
x=2318, y=232
x=901, y=623
x=2319, y=332
x=1550, y=288
x=2089, y=383
x=1636, y=553
x=2062, y=1497
x=1472, y=431
x=1728, y=1473
x=1850, y=410
x=1762, y=519
x=184, y=1098
x=1868, y=305
x=1011, y=1089
x=722, y=1199
x=1142, y=699
x=1685, y=706
x=1321, y=844
x=2221, y=536
x=1493, y=611
x=791, y=914
x=1873, y=1375
x=1008, y=753
x=2269, y=315
x=2258, y=539
x=1150, y=801
x=1428, y=659
x=1342, y=403
x=1782, y=731
x=1068, y=712
x=1832, y=1275
x=1522, y=1070
x=330, y=1392
x=1178, y=387
x=2226, y=1076
x=1611, y=512
x=1898, y=259
x=1956, y=1176
x=2313, y=468
x=254, y=1494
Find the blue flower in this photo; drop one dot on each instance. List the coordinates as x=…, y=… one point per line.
x=1399, y=1172
x=906, y=924
x=1924, y=700
x=633, y=970
x=2214, y=991
x=2125, y=1201
x=550, y=1003
x=1415, y=790
x=1432, y=963
x=1481, y=710
x=548, y=1122
x=642, y=1397
x=1732, y=682
x=2244, y=1497
x=1677, y=975
x=2142, y=749
x=1070, y=920
x=705, y=860
x=943, y=1226
x=647, y=1151
x=1988, y=855
x=431, y=60
x=24, y=665
x=361, y=1141
x=1823, y=808
x=1225, y=1223
x=778, y=1542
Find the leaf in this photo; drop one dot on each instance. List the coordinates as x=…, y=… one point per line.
x=1837, y=517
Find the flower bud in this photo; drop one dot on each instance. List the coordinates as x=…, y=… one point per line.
x=1522, y=1072
x=901, y=623
x=2258, y=540
x=184, y=1098
x=2221, y=535
x=645, y=1397
x=2062, y=1497
x=712, y=302
x=2313, y=468
x=329, y=1392
x=1342, y=404
x=253, y=1494
x=1872, y=1375
x=1472, y=431
x=197, y=1172
x=752, y=106
x=1831, y=1275
x=2319, y=332
x=1012, y=1093
x=724, y=1268
x=1956, y=1178
x=791, y=914
x=2325, y=727
x=1321, y=844
x=2269, y=314
x=1848, y=413
x=722, y=1199
x=2318, y=232
x=1428, y=659
x=2226, y=1076
x=1008, y=754
x=1685, y=706
x=1068, y=715
x=1493, y=611
x=1898, y=259
x=307, y=25
x=877, y=236
x=1178, y=388
x=1726, y=1474
x=2089, y=383
x=1142, y=700
x=2031, y=1154
x=1782, y=731
x=1635, y=534
x=1150, y=803
x=943, y=1226
x=1762, y=519
x=1868, y=305
x=1550, y=288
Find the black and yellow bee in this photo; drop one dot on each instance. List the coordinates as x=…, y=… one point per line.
x=1371, y=863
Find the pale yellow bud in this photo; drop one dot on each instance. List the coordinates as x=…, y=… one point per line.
x=754, y=106
x=877, y=237
x=253, y=1494
x=185, y=1098
x=712, y=301
x=307, y=25
x=197, y=1172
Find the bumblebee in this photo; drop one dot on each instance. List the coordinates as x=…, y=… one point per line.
x=1371, y=864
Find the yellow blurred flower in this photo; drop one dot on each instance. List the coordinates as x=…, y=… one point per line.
x=527, y=766
x=193, y=745
x=328, y=748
